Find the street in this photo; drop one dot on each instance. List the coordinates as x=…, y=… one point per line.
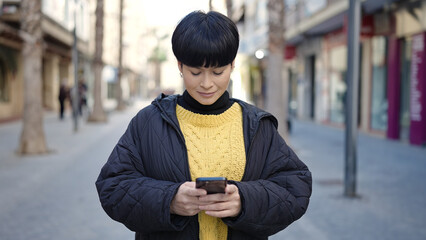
x=53, y=196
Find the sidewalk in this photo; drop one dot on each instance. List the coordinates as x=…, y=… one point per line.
x=53, y=196
x=390, y=184
x=59, y=134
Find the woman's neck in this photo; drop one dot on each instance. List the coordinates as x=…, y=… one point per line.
x=218, y=107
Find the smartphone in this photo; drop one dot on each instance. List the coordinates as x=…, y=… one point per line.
x=211, y=184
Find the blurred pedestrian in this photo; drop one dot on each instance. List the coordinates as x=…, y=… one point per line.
x=148, y=182
x=82, y=91
x=64, y=94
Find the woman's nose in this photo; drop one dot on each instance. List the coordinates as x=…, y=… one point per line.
x=207, y=81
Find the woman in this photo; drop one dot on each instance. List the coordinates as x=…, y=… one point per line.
x=148, y=182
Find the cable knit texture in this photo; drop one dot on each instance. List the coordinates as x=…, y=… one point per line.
x=215, y=146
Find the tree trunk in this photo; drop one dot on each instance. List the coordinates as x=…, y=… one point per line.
x=98, y=113
x=32, y=140
x=120, y=102
x=229, y=8
x=157, y=74
x=277, y=88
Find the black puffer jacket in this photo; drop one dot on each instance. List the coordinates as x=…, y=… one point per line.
x=149, y=163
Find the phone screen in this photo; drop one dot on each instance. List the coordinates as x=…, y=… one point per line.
x=212, y=184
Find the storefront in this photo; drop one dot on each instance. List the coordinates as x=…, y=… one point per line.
x=335, y=48
x=418, y=90
x=404, y=114
x=411, y=112
x=11, y=83
x=335, y=51
x=338, y=85
x=308, y=75
x=379, y=103
x=392, y=97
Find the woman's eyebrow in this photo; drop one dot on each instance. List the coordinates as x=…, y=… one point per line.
x=197, y=68
x=220, y=68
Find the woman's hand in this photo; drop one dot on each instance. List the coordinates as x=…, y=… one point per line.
x=222, y=205
x=186, y=201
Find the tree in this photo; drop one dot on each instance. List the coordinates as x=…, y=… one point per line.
x=98, y=114
x=277, y=86
x=229, y=8
x=32, y=139
x=158, y=56
x=119, y=95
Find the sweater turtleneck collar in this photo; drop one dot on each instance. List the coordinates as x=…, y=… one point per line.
x=189, y=103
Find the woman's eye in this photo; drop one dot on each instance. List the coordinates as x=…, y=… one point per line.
x=217, y=73
x=196, y=74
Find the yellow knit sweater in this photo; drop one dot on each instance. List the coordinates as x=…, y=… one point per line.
x=215, y=146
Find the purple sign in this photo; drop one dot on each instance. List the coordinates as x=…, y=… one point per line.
x=418, y=90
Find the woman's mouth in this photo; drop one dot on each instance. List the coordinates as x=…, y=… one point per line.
x=206, y=95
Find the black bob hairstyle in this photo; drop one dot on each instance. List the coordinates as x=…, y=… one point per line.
x=205, y=40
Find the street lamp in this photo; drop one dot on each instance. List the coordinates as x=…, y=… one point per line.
x=260, y=54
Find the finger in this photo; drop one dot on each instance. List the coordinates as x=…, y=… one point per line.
x=189, y=189
x=217, y=206
x=189, y=184
x=195, y=192
x=220, y=197
x=231, y=188
x=221, y=214
x=215, y=197
x=234, y=207
x=221, y=210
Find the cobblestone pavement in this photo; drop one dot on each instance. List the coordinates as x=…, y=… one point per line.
x=53, y=196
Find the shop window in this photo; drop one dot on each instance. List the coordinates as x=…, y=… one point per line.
x=338, y=84
x=404, y=117
x=4, y=88
x=379, y=102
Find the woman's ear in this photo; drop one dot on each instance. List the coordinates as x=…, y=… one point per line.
x=180, y=66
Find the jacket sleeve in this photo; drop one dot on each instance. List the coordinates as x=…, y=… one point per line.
x=128, y=196
x=280, y=196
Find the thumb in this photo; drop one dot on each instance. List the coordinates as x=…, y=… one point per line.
x=231, y=188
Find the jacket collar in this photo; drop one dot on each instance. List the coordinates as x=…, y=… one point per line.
x=252, y=115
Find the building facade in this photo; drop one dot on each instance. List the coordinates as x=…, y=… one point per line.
x=57, y=25
x=58, y=21
x=392, y=89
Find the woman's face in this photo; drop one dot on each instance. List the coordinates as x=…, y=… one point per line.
x=206, y=85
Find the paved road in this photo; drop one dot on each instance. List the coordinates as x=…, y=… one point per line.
x=53, y=196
